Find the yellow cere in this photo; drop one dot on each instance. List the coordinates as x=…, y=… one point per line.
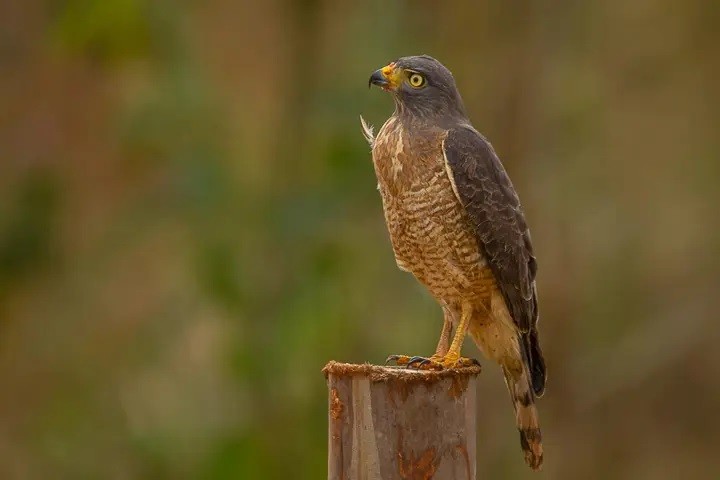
x=393, y=74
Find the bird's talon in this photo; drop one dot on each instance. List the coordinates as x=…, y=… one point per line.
x=432, y=363
x=400, y=360
x=416, y=362
x=459, y=362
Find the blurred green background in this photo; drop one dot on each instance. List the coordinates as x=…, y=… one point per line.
x=189, y=229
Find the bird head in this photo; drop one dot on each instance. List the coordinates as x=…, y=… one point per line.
x=421, y=87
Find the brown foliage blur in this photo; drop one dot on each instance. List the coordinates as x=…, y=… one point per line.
x=189, y=229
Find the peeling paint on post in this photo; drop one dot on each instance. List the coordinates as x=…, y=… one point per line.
x=389, y=423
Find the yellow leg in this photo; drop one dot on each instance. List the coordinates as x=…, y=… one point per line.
x=452, y=357
x=444, y=342
x=445, y=356
x=442, y=346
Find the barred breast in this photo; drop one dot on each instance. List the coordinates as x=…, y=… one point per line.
x=429, y=230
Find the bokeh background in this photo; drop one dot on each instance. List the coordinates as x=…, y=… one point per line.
x=189, y=229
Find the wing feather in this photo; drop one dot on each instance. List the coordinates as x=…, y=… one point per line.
x=489, y=198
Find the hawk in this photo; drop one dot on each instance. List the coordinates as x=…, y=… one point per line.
x=456, y=224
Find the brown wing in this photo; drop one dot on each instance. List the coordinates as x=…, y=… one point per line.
x=487, y=194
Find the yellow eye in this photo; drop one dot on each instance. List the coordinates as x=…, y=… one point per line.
x=416, y=80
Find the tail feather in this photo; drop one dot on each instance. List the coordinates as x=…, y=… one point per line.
x=534, y=360
x=519, y=355
x=523, y=399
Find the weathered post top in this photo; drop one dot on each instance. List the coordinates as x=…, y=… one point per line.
x=394, y=423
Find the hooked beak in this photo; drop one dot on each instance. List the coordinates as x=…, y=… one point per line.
x=387, y=78
x=377, y=78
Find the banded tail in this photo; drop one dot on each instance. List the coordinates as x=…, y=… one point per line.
x=526, y=415
x=521, y=359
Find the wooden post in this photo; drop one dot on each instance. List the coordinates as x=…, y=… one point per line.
x=389, y=423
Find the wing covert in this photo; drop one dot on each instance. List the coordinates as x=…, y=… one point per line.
x=489, y=198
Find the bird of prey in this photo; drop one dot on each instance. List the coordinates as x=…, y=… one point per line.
x=456, y=224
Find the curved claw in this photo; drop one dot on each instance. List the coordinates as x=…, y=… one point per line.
x=392, y=358
x=398, y=359
x=417, y=362
x=424, y=363
x=430, y=363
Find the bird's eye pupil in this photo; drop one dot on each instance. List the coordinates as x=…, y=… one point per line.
x=416, y=80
